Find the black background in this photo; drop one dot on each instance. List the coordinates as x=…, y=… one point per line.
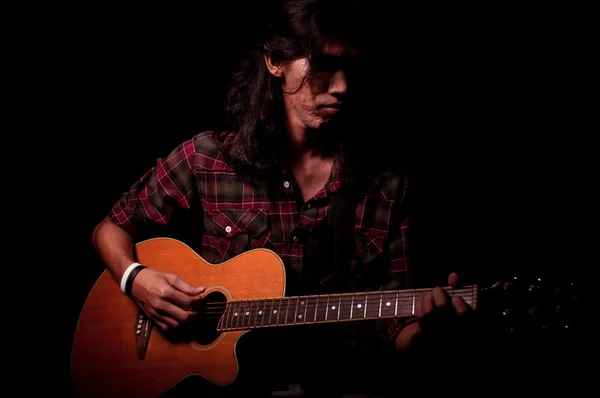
x=489, y=100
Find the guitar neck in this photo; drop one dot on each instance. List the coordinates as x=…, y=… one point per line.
x=301, y=310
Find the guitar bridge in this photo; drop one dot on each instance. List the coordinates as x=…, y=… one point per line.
x=143, y=326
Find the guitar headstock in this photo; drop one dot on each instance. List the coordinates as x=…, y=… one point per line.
x=527, y=305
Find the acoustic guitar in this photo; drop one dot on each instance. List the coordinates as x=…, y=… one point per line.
x=116, y=352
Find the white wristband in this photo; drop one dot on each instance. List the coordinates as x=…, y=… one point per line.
x=126, y=275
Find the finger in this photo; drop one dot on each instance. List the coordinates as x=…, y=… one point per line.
x=453, y=280
x=163, y=320
x=419, y=307
x=172, y=314
x=161, y=325
x=460, y=306
x=428, y=304
x=184, y=301
x=440, y=297
x=185, y=287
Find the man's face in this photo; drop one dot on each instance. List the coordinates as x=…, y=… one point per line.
x=314, y=97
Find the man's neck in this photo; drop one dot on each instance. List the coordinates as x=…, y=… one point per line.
x=310, y=166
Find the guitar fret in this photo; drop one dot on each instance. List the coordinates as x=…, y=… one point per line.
x=262, y=313
x=271, y=311
x=305, y=311
x=229, y=308
x=240, y=315
x=296, y=310
x=279, y=311
x=225, y=318
x=236, y=314
x=246, y=314
x=345, y=307
x=241, y=311
x=230, y=318
x=373, y=305
x=300, y=303
x=332, y=308
x=387, y=304
x=321, y=311
x=292, y=315
x=254, y=312
x=276, y=311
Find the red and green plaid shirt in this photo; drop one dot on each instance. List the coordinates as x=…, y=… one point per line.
x=238, y=216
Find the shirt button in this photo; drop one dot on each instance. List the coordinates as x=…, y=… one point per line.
x=228, y=229
x=308, y=205
x=286, y=184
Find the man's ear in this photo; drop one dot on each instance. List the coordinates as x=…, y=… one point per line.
x=273, y=67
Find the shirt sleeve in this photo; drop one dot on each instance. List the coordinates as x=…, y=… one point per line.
x=400, y=278
x=401, y=267
x=167, y=186
x=373, y=342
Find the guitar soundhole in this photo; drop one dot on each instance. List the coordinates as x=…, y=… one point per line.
x=205, y=331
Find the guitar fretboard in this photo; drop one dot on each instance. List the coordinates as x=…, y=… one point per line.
x=299, y=310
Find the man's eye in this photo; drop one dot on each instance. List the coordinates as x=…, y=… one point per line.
x=332, y=64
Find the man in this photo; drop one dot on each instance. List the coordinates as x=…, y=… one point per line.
x=267, y=179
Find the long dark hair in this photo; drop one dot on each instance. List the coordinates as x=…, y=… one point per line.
x=295, y=29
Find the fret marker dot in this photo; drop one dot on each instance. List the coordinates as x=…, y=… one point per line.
x=300, y=316
x=247, y=313
x=333, y=307
x=388, y=303
x=359, y=305
x=235, y=314
x=302, y=303
x=259, y=312
x=274, y=311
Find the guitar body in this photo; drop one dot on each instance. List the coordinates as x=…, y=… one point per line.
x=111, y=331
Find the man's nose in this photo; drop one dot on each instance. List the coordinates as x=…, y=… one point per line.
x=338, y=83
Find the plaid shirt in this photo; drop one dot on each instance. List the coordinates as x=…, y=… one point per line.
x=238, y=216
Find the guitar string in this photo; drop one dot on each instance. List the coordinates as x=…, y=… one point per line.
x=345, y=297
x=255, y=303
x=334, y=298
x=252, y=321
x=406, y=302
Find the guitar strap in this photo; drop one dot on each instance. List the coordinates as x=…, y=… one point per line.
x=342, y=220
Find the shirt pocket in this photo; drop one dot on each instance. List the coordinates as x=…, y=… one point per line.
x=368, y=269
x=369, y=245
x=238, y=230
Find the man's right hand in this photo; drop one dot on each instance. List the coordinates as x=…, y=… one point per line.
x=167, y=299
